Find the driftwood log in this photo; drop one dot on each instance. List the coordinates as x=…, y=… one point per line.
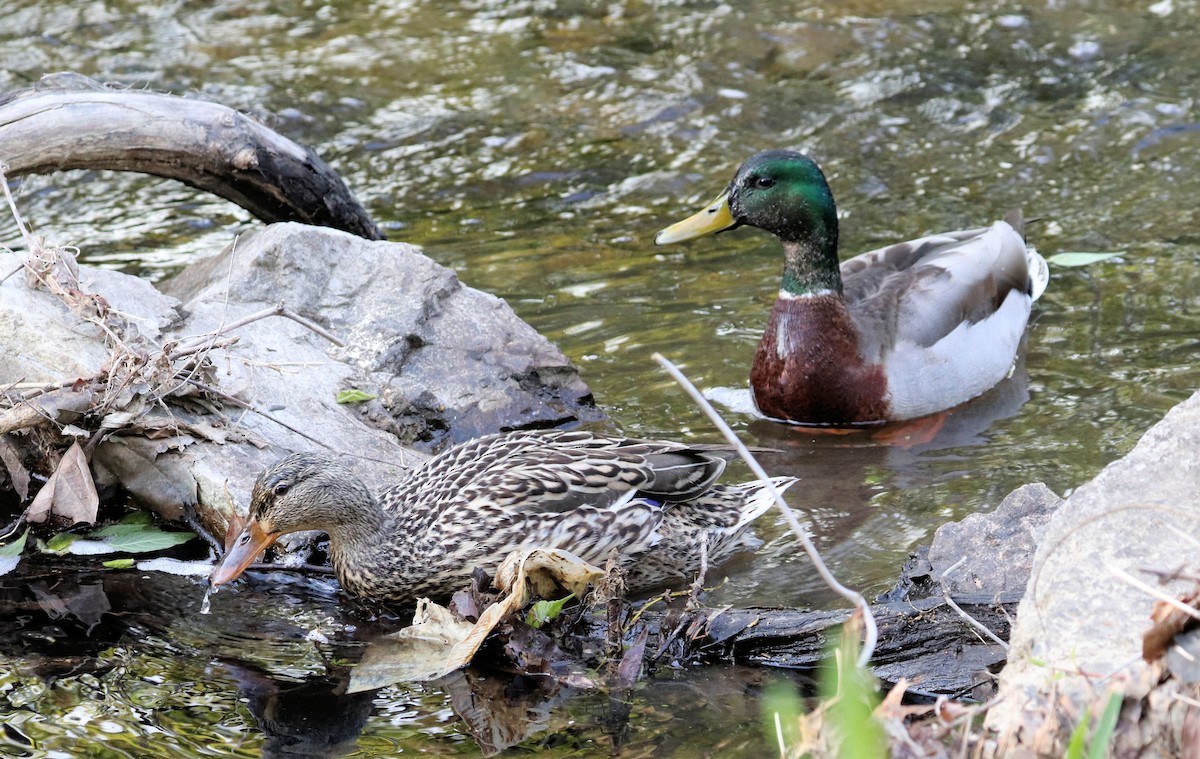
x=926, y=642
x=69, y=121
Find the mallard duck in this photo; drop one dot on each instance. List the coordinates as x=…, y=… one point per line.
x=655, y=502
x=898, y=333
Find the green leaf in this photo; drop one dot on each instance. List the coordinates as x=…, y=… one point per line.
x=146, y=539
x=1071, y=259
x=61, y=542
x=119, y=564
x=1075, y=748
x=851, y=694
x=354, y=396
x=783, y=709
x=10, y=554
x=16, y=547
x=544, y=611
x=131, y=522
x=1098, y=748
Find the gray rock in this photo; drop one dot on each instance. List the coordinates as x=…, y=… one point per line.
x=1079, y=627
x=993, y=551
x=43, y=340
x=447, y=362
x=989, y=552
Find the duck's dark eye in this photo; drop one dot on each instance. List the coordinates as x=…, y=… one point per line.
x=764, y=182
x=281, y=488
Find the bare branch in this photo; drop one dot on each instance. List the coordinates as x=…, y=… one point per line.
x=251, y=407
x=277, y=310
x=959, y=610
x=1152, y=591
x=870, y=629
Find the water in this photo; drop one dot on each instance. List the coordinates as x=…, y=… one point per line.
x=537, y=146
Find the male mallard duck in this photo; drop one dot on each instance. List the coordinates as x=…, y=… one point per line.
x=898, y=333
x=469, y=507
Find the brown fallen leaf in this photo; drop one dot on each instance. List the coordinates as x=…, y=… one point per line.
x=18, y=475
x=70, y=492
x=630, y=668
x=438, y=642
x=1169, y=621
x=545, y=570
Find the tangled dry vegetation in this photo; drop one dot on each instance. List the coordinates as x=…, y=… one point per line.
x=166, y=393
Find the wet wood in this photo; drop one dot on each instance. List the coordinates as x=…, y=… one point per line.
x=71, y=122
x=925, y=641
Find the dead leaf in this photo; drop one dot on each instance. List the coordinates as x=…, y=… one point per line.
x=1169, y=621
x=18, y=475
x=438, y=642
x=546, y=570
x=70, y=492
x=87, y=603
x=162, y=483
x=417, y=653
x=630, y=667
x=499, y=713
x=207, y=431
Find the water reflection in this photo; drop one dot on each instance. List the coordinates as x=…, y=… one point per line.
x=313, y=717
x=536, y=147
x=113, y=659
x=843, y=474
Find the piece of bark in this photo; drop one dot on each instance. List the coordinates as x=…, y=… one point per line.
x=925, y=641
x=69, y=121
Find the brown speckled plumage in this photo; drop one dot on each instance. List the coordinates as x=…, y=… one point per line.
x=472, y=505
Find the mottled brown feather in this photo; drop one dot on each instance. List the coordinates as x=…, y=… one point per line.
x=472, y=505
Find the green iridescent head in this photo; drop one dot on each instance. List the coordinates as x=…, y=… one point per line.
x=785, y=193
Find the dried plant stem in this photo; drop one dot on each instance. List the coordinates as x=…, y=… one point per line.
x=251, y=407
x=1176, y=574
x=871, y=630
x=1152, y=591
x=698, y=584
x=277, y=310
x=959, y=610
x=41, y=388
x=28, y=414
x=12, y=204
x=209, y=344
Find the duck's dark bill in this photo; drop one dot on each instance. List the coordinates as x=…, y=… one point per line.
x=245, y=550
x=715, y=217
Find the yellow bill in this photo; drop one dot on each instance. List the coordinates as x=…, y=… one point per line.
x=715, y=217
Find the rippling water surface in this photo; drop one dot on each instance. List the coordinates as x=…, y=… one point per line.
x=536, y=147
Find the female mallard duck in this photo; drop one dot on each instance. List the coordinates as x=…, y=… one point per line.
x=898, y=333
x=655, y=502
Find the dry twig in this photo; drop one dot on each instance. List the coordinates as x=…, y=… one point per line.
x=869, y=626
x=959, y=610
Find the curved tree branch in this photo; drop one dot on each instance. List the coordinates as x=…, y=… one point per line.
x=69, y=121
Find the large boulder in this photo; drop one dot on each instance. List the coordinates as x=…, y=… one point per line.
x=445, y=362
x=1080, y=624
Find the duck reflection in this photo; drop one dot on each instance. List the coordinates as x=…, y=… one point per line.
x=313, y=717
x=841, y=475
